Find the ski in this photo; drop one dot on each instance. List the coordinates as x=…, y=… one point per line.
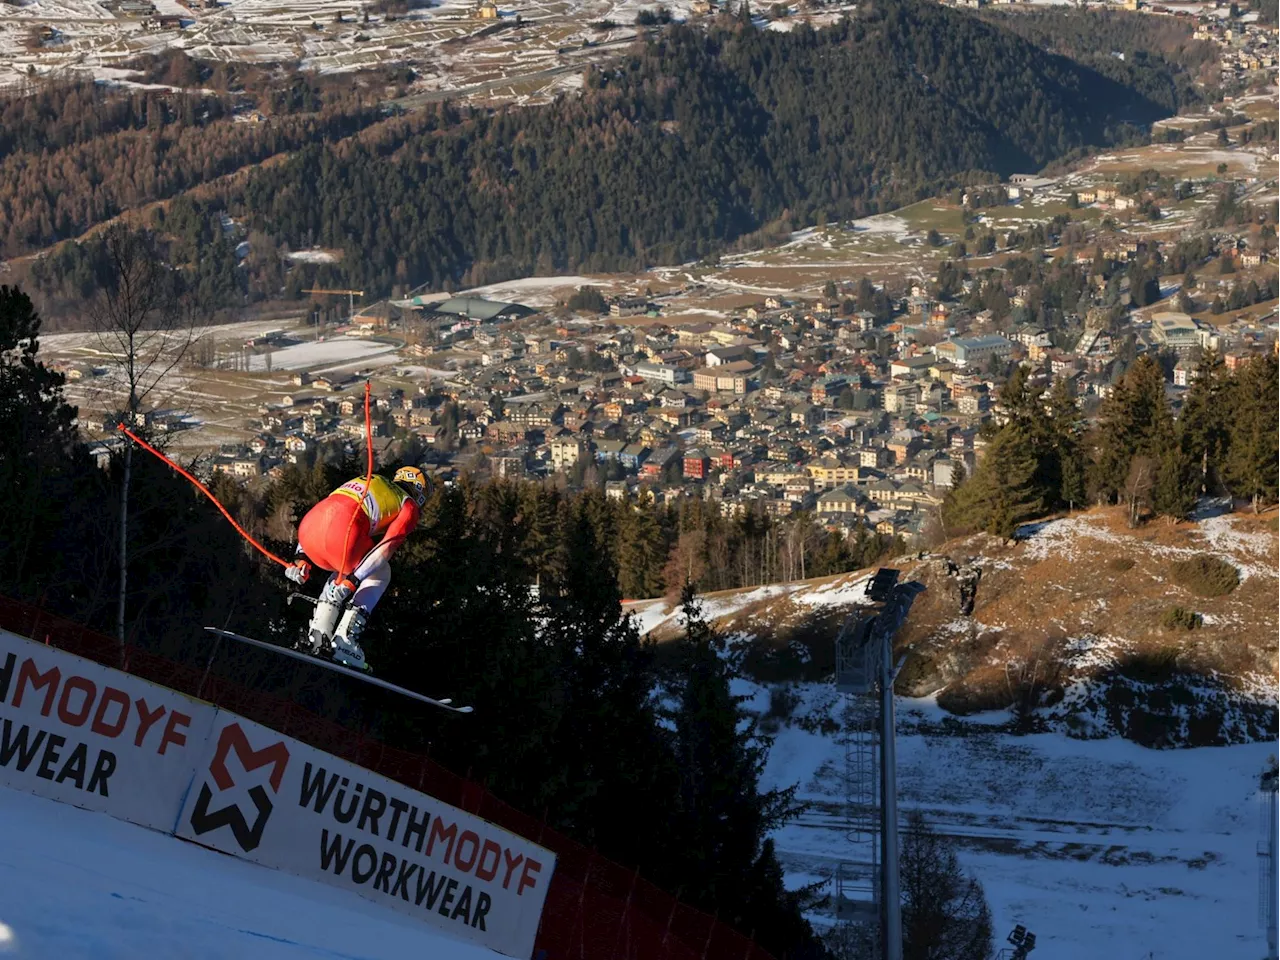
x=444, y=704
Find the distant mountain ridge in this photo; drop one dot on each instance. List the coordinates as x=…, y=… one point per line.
x=702, y=138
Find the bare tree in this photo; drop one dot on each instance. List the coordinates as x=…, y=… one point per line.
x=143, y=320
x=1138, y=486
x=944, y=912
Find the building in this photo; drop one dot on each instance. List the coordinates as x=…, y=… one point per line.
x=840, y=500
x=473, y=308
x=663, y=373
x=507, y=467
x=829, y=474
x=487, y=10
x=1177, y=331
x=656, y=464
x=944, y=472
x=697, y=465
x=967, y=351
x=565, y=452
x=629, y=307
x=735, y=377
x=828, y=388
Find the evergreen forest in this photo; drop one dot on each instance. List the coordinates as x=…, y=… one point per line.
x=703, y=138
x=1225, y=441
x=697, y=140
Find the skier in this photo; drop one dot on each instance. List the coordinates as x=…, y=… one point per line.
x=338, y=534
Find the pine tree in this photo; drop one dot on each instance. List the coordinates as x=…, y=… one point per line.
x=641, y=554
x=944, y=912
x=36, y=447
x=1251, y=465
x=1177, y=481
x=1065, y=450
x=720, y=818
x=608, y=749
x=1003, y=492
x=1203, y=420
x=1131, y=422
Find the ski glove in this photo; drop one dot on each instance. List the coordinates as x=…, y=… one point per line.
x=298, y=571
x=339, y=590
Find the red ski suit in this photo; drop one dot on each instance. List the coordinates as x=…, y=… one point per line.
x=338, y=532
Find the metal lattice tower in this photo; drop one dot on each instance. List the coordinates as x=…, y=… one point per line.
x=1269, y=866
x=864, y=675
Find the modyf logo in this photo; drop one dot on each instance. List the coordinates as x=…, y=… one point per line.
x=203, y=820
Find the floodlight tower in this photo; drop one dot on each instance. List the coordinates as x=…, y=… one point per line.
x=865, y=671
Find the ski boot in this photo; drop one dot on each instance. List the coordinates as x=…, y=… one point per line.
x=346, y=649
x=328, y=608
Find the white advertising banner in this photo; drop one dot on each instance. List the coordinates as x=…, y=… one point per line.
x=75, y=731
x=278, y=802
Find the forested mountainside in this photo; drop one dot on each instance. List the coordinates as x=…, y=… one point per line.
x=701, y=138
x=78, y=153
x=1155, y=56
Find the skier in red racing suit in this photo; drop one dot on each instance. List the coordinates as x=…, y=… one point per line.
x=338, y=534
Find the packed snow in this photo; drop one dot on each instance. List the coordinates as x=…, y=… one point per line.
x=532, y=291
x=1102, y=847
x=80, y=885
x=321, y=354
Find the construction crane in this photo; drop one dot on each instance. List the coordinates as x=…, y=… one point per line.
x=350, y=294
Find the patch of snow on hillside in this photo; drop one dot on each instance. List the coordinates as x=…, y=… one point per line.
x=1226, y=538
x=1090, y=653
x=651, y=616
x=883, y=223
x=837, y=593
x=313, y=355
x=1058, y=539
x=312, y=256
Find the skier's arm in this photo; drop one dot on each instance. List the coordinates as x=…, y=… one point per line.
x=405, y=523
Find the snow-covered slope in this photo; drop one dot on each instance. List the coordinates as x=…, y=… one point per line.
x=76, y=884
x=1102, y=847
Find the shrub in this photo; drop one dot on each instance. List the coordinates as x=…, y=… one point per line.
x=782, y=702
x=1120, y=564
x=1151, y=666
x=1178, y=618
x=1206, y=576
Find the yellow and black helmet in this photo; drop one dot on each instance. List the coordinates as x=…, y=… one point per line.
x=414, y=482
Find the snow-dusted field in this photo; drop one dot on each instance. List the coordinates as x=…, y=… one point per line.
x=1101, y=847
x=79, y=885
x=323, y=355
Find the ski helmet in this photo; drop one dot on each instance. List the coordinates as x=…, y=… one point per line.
x=414, y=482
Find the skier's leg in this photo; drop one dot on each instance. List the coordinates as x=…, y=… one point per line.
x=373, y=585
x=325, y=618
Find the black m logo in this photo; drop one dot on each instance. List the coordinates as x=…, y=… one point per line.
x=202, y=820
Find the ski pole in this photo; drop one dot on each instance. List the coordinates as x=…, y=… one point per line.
x=203, y=489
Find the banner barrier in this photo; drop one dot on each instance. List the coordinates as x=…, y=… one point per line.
x=278, y=802
x=81, y=733
x=84, y=734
